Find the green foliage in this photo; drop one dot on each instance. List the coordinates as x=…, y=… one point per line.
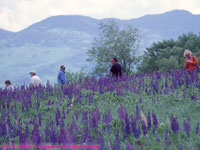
x=114, y=41
x=168, y=54
x=73, y=77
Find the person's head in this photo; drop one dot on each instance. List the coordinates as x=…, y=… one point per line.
x=62, y=67
x=7, y=82
x=33, y=73
x=114, y=61
x=187, y=53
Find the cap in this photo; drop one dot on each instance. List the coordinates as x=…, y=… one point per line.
x=33, y=71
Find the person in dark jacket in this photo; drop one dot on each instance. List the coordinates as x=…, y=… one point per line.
x=61, y=76
x=116, y=69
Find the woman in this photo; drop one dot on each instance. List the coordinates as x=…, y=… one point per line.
x=8, y=85
x=191, y=62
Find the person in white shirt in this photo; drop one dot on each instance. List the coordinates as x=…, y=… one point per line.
x=35, y=80
x=8, y=85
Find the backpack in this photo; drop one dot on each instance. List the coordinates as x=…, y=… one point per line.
x=198, y=66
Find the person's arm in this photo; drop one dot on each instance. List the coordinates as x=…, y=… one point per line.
x=32, y=82
x=62, y=78
x=195, y=61
x=186, y=64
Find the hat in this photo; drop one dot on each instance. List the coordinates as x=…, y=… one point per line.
x=33, y=71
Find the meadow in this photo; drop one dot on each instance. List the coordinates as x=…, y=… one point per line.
x=150, y=111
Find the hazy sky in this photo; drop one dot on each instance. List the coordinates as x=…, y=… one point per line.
x=16, y=15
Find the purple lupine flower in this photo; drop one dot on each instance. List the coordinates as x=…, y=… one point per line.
x=3, y=131
x=129, y=147
x=90, y=100
x=57, y=116
x=40, y=118
x=85, y=133
x=133, y=126
x=117, y=141
x=53, y=136
x=94, y=120
x=61, y=137
x=119, y=91
x=174, y=124
x=36, y=135
x=167, y=140
x=180, y=147
x=157, y=139
x=137, y=111
x=63, y=112
x=149, y=121
x=27, y=131
x=126, y=120
x=197, y=128
x=198, y=146
x=186, y=126
x=155, y=120
x=144, y=127
x=98, y=116
x=100, y=141
x=121, y=112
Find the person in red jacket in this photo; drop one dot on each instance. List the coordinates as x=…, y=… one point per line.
x=190, y=62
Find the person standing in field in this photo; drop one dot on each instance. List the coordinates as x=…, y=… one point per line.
x=35, y=80
x=116, y=69
x=61, y=78
x=191, y=62
x=8, y=85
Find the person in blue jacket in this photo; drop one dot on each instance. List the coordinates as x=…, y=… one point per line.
x=61, y=76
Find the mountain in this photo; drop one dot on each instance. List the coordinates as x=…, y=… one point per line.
x=57, y=40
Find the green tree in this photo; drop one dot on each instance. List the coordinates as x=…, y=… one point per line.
x=113, y=41
x=168, y=54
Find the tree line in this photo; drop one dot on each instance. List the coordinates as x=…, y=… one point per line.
x=124, y=43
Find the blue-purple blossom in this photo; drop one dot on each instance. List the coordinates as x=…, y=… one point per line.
x=129, y=147
x=155, y=120
x=128, y=131
x=197, y=128
x=167, y=140
x=149, y=121
x=174, y=124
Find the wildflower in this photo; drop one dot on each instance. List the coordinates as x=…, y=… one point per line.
x=197, y=128
x=155, y=120
x=167, y=140
x=149, y=121
x=127, y=124
x=129, y=147
x=174, y=124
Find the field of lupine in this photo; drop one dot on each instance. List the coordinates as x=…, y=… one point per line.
x=153, y=111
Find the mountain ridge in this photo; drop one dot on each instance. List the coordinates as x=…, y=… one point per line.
x=65, y=39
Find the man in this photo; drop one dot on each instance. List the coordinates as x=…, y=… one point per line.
x=8, y=85
x=35, y=80
x=116, y=68
x=61, y=76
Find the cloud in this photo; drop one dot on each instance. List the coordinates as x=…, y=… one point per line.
x=15, y=15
